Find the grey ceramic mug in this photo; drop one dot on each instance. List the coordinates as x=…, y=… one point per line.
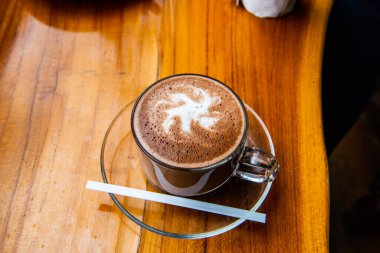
x=247, y=163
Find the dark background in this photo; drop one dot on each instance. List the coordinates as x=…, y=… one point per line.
x=351, y=115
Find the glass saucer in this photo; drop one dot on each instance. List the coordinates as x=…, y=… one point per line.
x=120, y=165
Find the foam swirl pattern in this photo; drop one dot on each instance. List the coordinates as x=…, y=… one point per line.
x=189, y=121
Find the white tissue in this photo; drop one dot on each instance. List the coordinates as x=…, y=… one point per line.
x=269, y=8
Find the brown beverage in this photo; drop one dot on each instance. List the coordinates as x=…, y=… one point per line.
x=189, y=121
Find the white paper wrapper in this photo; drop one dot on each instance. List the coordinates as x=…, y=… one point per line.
x=269, y=8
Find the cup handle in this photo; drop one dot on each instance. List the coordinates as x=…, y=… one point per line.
x=256, y=165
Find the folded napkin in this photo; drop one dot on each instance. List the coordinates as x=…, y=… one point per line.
x=268, y=8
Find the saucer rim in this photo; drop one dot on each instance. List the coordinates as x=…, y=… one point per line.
x=202, y=235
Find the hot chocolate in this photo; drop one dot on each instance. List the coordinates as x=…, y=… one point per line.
x=189, y=121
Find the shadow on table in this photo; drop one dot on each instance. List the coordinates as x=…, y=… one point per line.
x=83, y=15
x=71, y=16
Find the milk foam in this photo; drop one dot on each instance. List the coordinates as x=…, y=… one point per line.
x=189, y=121
x=189, y=110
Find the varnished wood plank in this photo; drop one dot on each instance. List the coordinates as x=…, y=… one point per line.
x=67, y=68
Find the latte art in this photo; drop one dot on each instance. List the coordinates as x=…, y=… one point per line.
x=189, y=121
x=188, y=110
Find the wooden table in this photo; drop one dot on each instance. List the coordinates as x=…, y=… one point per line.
x=66, y=70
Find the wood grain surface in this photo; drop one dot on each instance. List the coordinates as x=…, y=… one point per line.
x=67, y=67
